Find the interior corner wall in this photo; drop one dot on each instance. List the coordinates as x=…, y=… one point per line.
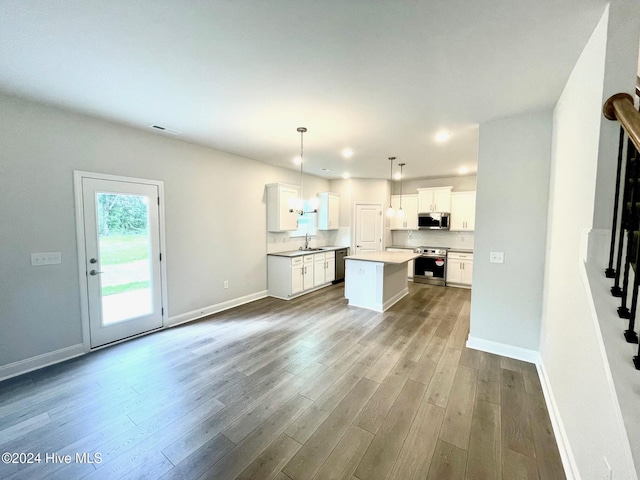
x=570, y=344
x=511, y=217
x=215, y=219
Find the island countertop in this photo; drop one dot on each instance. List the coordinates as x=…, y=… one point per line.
x=384, y=257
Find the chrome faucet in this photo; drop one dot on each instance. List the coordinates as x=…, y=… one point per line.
x=307, y=240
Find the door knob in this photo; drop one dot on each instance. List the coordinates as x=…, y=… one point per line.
x=94, y=272
x=93, y=260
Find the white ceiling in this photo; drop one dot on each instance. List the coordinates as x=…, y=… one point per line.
x=380, y=77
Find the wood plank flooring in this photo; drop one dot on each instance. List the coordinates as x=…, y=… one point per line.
x=305, y=389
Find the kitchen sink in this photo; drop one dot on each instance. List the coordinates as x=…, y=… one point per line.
x=311, y=249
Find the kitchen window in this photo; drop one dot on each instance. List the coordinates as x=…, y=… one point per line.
x=307, y=223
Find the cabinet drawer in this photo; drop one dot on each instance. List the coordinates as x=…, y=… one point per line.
x=460, y=256
x=318, y=257
x=308, y=259
x=296, y=261
x=330, y=255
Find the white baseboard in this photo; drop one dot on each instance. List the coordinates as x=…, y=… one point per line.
x=532, y=356
x=519, y=353
x=564, y=447
x=210, y=310
x=40, y=361
x=46, y=359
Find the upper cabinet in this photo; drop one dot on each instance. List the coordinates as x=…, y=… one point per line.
x=280, y=200
x=437, y=199
x=463, y=211
x=329, y=211
x=409, y=221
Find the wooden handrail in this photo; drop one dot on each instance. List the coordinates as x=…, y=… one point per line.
x=620, y=107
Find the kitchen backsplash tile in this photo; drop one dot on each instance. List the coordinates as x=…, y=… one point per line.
x=282, y=242
x=433, y=238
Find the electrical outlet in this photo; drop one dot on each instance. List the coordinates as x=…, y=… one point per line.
x=496, y=257
x=46, y=258
x=226, y=284
x=607, y=473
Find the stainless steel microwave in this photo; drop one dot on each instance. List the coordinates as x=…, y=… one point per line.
x=433, y=221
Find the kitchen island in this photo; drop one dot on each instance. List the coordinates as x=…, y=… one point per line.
x=377, y=280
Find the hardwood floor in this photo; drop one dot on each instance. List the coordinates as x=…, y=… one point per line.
x=305, y=389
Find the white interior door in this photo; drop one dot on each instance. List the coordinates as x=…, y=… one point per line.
x=122, y=258
x=368, y=228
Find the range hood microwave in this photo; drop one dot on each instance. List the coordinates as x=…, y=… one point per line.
x=433, y=221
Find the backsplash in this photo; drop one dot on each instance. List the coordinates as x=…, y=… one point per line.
x=433, y=238
x=282, y=242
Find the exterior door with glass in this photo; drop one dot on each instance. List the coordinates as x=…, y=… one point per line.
x=122, y=257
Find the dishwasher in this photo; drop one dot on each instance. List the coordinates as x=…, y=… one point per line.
x=340, y=254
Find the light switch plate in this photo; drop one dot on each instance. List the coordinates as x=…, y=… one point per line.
x=496, y=257
x=46, y=258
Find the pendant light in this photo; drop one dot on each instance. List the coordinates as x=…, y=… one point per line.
x=390, y=209
x=299, y=208
x=400, y=211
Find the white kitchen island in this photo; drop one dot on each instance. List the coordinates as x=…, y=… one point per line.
x=377, y=280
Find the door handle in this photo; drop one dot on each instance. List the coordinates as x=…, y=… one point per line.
x=94, y=272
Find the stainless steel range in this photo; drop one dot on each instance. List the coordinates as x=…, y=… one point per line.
x=431, y=266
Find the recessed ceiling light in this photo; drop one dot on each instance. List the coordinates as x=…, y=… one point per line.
x=297, y=160
x=347, y=153
x=463, y=170
x=442, y=136
x=346, y=175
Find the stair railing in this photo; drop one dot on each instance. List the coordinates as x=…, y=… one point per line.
x=620, y=107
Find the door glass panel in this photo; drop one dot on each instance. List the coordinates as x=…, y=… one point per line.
x=124, y=246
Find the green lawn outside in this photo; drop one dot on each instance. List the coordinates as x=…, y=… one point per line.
x=126, y=287
x=118, y=249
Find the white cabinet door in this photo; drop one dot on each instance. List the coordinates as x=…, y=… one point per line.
x=409, y=219
x=410, y=207
x=329, y=211
x=436, y=199
x=454, y=271
x=296, y=279
x=307, y=272
x=280, y=200
x=463, y=211
x=459, y=268
x=395, y=222
x=330, y=272
x=442, y=199
x=319, y=267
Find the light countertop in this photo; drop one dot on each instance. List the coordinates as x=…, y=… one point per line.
x=384, y=257
x=297, y=253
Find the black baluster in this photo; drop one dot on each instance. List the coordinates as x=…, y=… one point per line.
x=631, y=224
x=630, y=335
x=610, y=272
x=615, y=290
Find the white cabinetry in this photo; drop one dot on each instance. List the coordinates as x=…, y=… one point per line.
x=409, y=221
x=328, y=211
x=289, y=277
x=436, y=199
x=280, y=200
x=463, y=212
x=324, y=268
x=409, y=264
x=459, y=269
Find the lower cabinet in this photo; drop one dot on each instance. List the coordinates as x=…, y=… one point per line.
x=289, y=277
x=459, y=269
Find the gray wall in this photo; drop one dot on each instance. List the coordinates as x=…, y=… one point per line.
x=511, y=217
x=215, y=219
